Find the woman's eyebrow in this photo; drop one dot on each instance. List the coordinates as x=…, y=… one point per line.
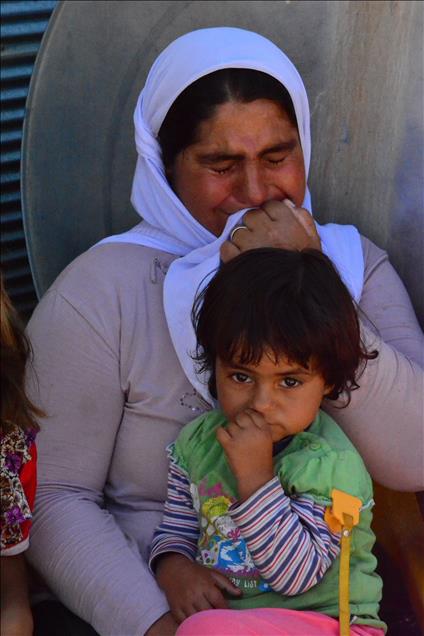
x=216, y=157
x=284, y=146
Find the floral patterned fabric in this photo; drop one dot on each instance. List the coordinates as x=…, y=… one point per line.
x=18, y=484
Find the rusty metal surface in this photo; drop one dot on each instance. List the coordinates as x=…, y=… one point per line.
x=362, y=63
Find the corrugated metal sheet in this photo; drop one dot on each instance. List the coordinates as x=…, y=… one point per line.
x=22, y=27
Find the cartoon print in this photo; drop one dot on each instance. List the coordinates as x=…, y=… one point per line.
x=221, y=545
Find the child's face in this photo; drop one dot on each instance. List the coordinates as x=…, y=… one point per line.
x=285, y=394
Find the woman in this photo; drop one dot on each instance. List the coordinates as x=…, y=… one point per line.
x=112, y=336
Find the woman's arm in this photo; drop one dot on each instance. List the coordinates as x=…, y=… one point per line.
x=386, y=303
x=76, y=544
x=16, y=617
x=385, y=418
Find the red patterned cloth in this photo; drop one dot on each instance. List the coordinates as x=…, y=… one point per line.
x=18, y=479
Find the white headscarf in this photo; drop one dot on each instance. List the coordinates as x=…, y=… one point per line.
x=167, y=225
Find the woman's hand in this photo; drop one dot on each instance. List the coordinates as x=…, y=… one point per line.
x=275, y=224
x=190, y=587
x=247, y=443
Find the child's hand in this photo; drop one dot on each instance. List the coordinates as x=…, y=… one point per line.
x=247, y=443
x=190, y=587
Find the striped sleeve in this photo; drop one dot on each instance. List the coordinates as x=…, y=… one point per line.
x=179, y=529
x=290, y=543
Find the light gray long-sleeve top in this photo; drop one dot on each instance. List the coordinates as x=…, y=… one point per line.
x=108, y=377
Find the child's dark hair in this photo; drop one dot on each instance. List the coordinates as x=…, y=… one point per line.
x=290, y=303
x=16, y=408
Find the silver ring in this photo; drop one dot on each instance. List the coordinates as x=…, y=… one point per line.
x=238, y=227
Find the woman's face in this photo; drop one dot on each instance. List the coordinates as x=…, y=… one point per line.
x=245, y=154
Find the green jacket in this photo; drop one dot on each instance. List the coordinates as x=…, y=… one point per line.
x=313, y=463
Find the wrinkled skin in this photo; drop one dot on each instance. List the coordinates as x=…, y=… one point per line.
x=247, y=156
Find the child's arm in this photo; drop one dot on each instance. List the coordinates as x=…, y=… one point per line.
x=290, y=543
x=189, y=587
x=288, y=539
x=16, y=617
x=178, y=531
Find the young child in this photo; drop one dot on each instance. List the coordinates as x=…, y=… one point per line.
x=17, y=472
x=252, y=519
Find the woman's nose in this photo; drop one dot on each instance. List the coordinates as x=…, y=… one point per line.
x=253, y=190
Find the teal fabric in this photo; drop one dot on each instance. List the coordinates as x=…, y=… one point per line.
x=315, y=462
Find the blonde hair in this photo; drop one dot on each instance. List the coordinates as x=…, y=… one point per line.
x=16, y=407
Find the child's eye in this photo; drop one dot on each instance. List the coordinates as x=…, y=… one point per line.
x=241, y=378
x=290, y=383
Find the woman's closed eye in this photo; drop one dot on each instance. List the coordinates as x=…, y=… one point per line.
x=226, y=169
x=276, y=162
x=222, y=169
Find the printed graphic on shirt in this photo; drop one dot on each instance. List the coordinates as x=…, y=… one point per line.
x=221, y=545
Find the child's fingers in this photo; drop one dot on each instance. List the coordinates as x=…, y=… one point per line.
x=223, y=436
x=216, y=599
x=240, y=421
x=256, y=419
x=239, y=424
x=197, y=603
x=247, y=420
x=203, y=601
x=225, y=584
x=178, y=613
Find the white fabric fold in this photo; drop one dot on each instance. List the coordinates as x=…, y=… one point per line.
x=167, y=225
